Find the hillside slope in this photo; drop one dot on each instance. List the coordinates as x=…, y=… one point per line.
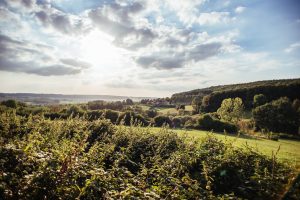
x=271, y=88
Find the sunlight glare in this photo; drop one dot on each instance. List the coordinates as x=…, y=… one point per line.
x=97, y=49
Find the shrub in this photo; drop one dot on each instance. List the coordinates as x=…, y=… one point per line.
x=111, y=115
x=277, y=116
x=80, y=159
x=190, y=122
x=98, y=130
x=75, y=110
x=10, y=103
x=128, y=118
x=151, y=113
x=95, y=114
x=246, y=126
x=161, y=120
x=259, y=100
x=176, y=122
x=206, y=122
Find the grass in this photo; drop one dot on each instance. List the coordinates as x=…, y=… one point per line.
x=166, y=111
x=171, y=111
x=289, y=151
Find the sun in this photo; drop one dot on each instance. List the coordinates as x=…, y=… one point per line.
x=97, y=49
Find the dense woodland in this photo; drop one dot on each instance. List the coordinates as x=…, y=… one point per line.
x=211, y=98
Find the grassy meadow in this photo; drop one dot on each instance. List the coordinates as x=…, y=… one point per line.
x=289, y=150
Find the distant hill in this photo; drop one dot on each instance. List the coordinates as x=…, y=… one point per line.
x=42, y=99
x=273, y=89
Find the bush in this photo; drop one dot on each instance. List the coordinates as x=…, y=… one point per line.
x=206, y=122
x=259, y=100
x=80, y=159
x=161, y=120
x=111, y=115
x=95, y=114
x=190, y=122
x=176, y=122
x=98, y=130
x=277, y=116
x=129, y=118
x=10, y=103
x=151, y=113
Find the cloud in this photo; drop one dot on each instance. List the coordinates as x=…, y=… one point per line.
x=159, y=46
x=49, y=16
x=240, y=9
x=64, y=23
x=161, y=61
x=187, y=11
x=213, y=18
x=293, y=47
x=33, y=68
x=118, y=21
x=25, y=3
x=75, y=63
x=171, y=59
x=28, y=3
x=34, y=58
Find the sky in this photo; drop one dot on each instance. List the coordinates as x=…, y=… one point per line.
x=145, y=47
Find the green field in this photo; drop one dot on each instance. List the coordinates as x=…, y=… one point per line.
x=289, y=149
x=170, y=111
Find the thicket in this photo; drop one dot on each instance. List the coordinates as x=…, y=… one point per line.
x=117, y=105
x=277, y=116
x=81, y=159
x=207, y=122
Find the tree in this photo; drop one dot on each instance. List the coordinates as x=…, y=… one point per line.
x=111, y=115
x=196, y=103
x=259, y=100
x=151, y=113
x=207, y=122
x=10, y=103
x=180, y=107
x=129, y=102
x=162, y=120
x=231, y=109
x=296, y=104
x=277, y=116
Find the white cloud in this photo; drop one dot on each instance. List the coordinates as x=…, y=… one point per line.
x=240, y=9
x=214, y=18
x=293, y=47
x=186, y=10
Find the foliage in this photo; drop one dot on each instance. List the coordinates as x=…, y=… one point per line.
x=129, y=118
x=231, y=109
x=296, y=105
x=81, y=159
x=161, y=120
x=151, y=113
x=259, y=100
x=100, y=105
x=10, y=103
x=128, y=102
x=277, y=116
x=212, y=97
x=94, y=114
x=177, y=122
x=196, y=104
x=207, y=122
x=111, y=115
